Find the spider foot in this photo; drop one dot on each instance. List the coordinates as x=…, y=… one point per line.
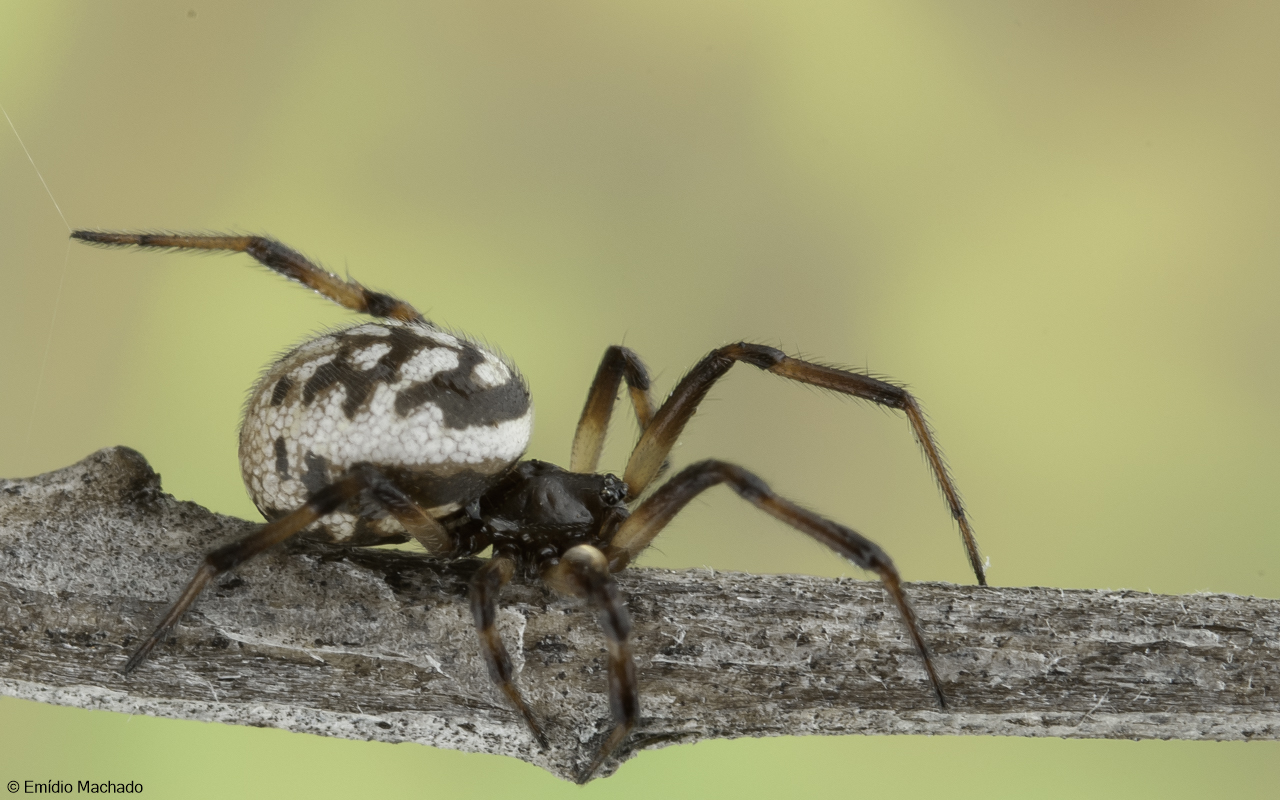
x=606, y=749
x=513, y=694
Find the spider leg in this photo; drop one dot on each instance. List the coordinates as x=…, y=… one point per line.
x=228, y=556
x=382, y=490
x=485, y=586
x=583, y=572
x=423, y=527
x=618, y=363
x=662, y=432
x=274, y=256
x=639, y=530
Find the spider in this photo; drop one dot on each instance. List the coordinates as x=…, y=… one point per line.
x=398, y=429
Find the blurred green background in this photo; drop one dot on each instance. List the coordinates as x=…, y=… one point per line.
x=1056, y=222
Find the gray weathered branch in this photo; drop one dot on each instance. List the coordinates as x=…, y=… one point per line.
x=378, y=644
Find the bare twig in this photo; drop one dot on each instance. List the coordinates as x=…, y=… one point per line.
x=378, y=644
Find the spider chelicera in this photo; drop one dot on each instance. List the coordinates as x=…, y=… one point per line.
x=397, y=429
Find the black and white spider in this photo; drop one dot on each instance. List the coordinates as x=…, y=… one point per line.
x=396, y=429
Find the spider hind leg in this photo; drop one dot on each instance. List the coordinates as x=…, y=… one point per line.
x=274, y=256
x=229, y=556
x=360, y=478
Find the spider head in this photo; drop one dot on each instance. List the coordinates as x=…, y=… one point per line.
x=537, y=495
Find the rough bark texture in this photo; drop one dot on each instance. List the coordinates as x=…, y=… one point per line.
x=378, y=644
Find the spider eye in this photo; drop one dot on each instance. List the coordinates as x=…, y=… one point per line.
x=613, y=493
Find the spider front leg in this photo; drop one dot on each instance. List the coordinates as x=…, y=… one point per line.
x=583, y=571
x=648, y=520
x=664, y=429
x=618, y=363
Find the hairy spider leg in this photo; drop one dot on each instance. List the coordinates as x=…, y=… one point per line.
x=325, y=501
x=413, y=517
x=231, y=555
x=583, y=571
x=618, y=363
x=485, y=586
x=273, y=255
x=664, y=429
x=648, y=520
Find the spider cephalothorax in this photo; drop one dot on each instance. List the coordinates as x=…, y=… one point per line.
x=396, y=429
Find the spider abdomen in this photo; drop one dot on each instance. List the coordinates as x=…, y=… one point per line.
x=438, y=410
